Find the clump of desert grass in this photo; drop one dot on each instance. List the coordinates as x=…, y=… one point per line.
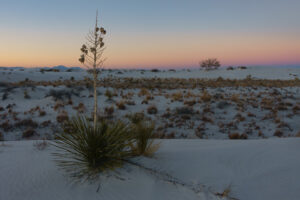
x=144, y=144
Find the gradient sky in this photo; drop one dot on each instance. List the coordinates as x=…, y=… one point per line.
x=152, y=33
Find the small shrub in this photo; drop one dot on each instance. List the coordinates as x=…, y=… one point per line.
x=27, y=123
x=177, y=96
x=205, y=97
x=244, y=136
x=80, y=108
x=235, y=98
x=109, y=94
x=42, y=113
x=296, y=109
x=278, y=133
x=6, y=126
x=144, y=101
x=70, y=102
x=144, y=143
x=85, y=153
x=109, y=111
x=4, y=96
x=152, y=110
x=130, y=103
x=58, y=105
x=28, y=133
x=237, y=136
x=189, y=103
x=121, y=105
x=136, y=117
x=46, y=123
x=144, y=92
x=186, y=110
x=26, y=95
x=62, y=117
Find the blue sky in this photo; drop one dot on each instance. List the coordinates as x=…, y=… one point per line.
x=155, y=20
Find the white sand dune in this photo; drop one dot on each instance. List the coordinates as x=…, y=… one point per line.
x=283, y=73
x=254, y=169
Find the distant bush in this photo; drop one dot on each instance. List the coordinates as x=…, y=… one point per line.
x=154, y=70
x=242, y=67
x=209, y=64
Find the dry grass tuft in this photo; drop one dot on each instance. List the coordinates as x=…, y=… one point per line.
x=121, y=105
x=152, y=110
x=205, y=97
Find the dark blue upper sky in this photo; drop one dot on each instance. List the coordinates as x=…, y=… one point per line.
x=134, y=21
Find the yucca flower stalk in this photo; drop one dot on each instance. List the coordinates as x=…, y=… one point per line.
x=91, y=58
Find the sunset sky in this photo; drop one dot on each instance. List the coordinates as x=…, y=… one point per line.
x=152, y=33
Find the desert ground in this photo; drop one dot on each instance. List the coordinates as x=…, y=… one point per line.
x=263, y=103
x=232, y=131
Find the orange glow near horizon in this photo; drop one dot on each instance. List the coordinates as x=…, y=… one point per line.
x=153, y=50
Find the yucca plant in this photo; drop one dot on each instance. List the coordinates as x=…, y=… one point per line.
x=144, y=145
x=85, y=151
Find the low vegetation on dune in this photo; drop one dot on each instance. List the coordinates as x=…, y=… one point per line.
x=166, y=83
x=85, y=152
x=90, y=147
